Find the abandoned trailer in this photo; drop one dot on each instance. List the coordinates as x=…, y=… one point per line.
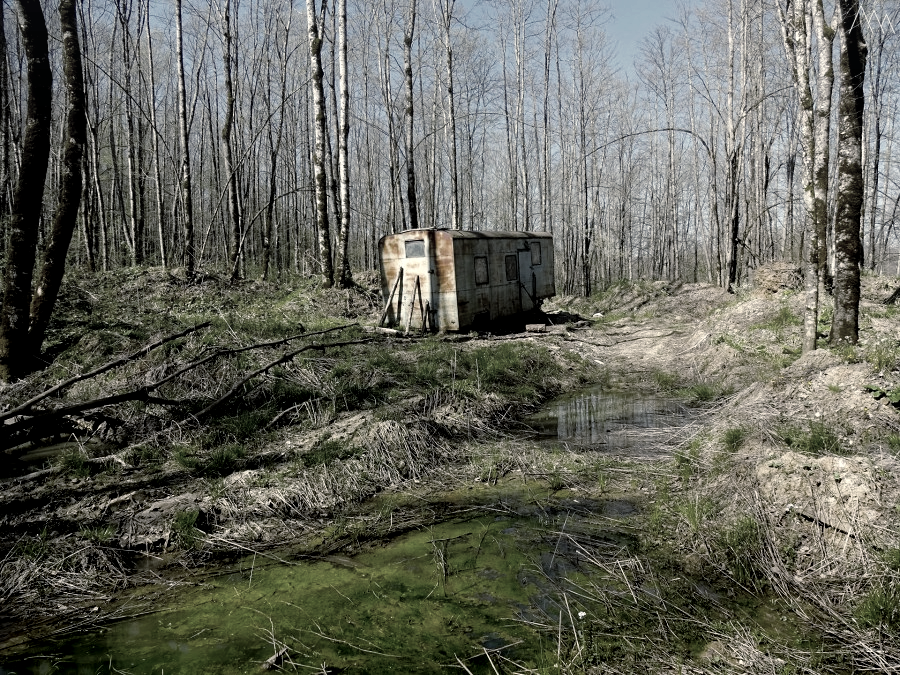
x=451, y=279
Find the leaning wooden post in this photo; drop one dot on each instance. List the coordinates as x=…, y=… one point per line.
x=412, y=304
x=421, y=307
x=390, y=299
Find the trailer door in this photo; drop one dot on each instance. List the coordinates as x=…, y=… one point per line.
x=526, y=281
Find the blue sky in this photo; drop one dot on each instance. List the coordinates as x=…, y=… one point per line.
x=632, y=20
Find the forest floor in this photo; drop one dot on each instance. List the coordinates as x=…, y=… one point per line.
x=785, y=484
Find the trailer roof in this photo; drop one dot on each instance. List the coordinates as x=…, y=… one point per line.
x=472, y=234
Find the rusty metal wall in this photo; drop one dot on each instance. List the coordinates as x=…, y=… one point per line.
x=434, y=272
x=457, y=293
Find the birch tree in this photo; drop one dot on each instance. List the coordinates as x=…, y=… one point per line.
x=346, y=277
x=814, y=127
x=187, y=205
x=317, y=76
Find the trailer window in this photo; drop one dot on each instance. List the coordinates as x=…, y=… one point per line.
x=512, y=268
x=535, y=253
x=415, y=248
x=481, y=270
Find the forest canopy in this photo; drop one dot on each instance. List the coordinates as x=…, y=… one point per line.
x=245, y=136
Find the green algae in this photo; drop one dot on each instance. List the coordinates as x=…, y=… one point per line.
x=414, y=604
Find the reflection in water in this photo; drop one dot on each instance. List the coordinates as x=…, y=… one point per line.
x=610, y=419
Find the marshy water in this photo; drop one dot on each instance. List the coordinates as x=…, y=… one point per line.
x=482, y=584
x=611, y=421
x=413, y=604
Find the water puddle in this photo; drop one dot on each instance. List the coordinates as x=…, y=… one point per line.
x=414, y=604
x=430, y=599
x=608, y=420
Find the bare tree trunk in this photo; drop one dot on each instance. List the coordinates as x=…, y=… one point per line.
x=28, y=196
x=66, y=216
x=411, y=197
x=157, y=171
x=519, y=45
x=734, y=153
x=269, y=237
x=877, y=111
x=321, y=129
x=346, y=277
x=547, y=191
x=446, y=12
x=814, y=122
x=234, y=216
x=851, y=191
x=187, y=205
x=134, y=234
x=824, y=85
x=4, y=130
x=511, y=146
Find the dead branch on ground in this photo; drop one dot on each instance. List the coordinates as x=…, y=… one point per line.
x=23, y=422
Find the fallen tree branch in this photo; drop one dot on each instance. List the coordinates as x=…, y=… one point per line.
x=143, y=393
x=122, y=360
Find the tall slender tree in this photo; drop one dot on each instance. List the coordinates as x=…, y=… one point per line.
x=412, y=200
x=28, y=196
x=70, y=186
x=234, y=215
x=346, y=277
x=317, y=76
x=851, y=190
x=187, y=204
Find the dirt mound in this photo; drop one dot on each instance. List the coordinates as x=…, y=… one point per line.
x=777, y=276
x=683, y=302
x=841, y=493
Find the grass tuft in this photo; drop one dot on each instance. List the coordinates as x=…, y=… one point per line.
x=328, y=450
x=734, y=438
x=75, y=464
x=880, y=607
x=738, y=546
x=816, y=439
x=184, y=527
